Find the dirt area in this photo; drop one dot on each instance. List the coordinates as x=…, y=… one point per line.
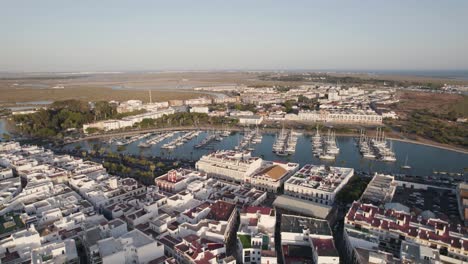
x=404, y=78
x=435, y=103
x=165, y=85
x=9, y=96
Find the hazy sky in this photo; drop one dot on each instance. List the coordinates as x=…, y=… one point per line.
x=41, y=35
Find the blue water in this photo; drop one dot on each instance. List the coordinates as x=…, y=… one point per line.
x=45, y=102
x=2, y=128
x=423, y=159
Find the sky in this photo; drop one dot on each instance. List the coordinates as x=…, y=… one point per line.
x=137, y=35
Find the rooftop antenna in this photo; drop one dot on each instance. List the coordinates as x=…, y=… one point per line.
x=151, y=101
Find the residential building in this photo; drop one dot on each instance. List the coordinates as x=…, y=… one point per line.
x=271, y=176
x=132, y=247
x=462, y=197
x=230, y=165
x=371, y=227
x=56, y=252
x=318, y=184
x=256, y=235
x=199, y=109
x=307, y=240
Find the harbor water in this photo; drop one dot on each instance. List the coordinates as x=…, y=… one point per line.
x=423, y=160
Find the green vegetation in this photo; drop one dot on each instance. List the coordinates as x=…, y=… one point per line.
x=5, y=112
x=186, y=119
x=122, y=115
x=353, y=190
x=288, y=105
x=6, y=136
x=438, y=126
x=64, y=116
x=459, y=109
x=265, y=241
x=142, y=169
x=92, y=130
x=434, y=127
x=244, y=107
x=245, y=240
x=16, y=219
x=352, y=80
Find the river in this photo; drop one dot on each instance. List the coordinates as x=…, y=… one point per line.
x=422, y=159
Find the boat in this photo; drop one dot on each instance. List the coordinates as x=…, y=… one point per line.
x=326, y=156
x=144, y=145
x=282, y=153
x=388, y=158
x=406, y=166
x=368, y=155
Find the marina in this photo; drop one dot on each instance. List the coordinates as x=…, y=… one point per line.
x=181, y=139
x=127, y=141
x=421, y=157
x=155, y=139
x=285, y=143
x=325, y=147
x=249, y=139
x=377, y=147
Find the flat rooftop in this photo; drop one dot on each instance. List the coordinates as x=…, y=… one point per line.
x=300, y=206
x=297, y=224
x=380, y=190
x=322, y=177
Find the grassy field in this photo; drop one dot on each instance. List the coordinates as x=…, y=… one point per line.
x=432, y=116
x=169, y=85
x=402, y=78
x=11, y=95
x=435, y=103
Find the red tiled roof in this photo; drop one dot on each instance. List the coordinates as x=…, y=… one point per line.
x=221, y=211
x=259, y=209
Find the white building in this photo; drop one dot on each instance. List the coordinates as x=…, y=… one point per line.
x=230, y=165
x=5, y=173
x=318, y=184
x=107, y=125
x=198, y=101
x=256, y=235
x=129, y=106
x=310, y=236
x=199, y=109
x=371, y=227
x=341, y=116
x=250, y=120
x=21, y=242
x=271, y=176
x=132, y=247
x=177, y=180
x=56, y=252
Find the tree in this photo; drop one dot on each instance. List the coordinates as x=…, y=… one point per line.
x=152, y=168
x=103, y=110
x=6, y=136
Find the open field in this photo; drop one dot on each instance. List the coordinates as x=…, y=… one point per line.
x=403, y=78
x=169, y=85
x=160, y=81
x=428, y=116
x=124, y=86
x=435, y=103
x=11, y=95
